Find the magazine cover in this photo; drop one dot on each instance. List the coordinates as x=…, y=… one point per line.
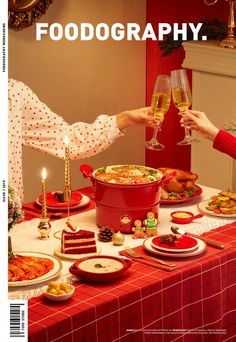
x=118, y=170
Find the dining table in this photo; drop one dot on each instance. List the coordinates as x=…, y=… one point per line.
x=193, y=301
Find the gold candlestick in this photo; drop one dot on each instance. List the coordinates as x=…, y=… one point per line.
x=44, y=226
x=44, y=203
x=230, y=41
x=67, y=191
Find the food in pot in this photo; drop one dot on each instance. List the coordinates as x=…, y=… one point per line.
x=181, y=186
x=127, y=174
x=21, y=267
x=101, y=265
x=224, y=203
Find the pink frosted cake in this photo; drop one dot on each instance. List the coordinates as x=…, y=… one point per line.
x=77, y=241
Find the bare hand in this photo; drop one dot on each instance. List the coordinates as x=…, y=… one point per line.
x=141, y=116
x=199, y=122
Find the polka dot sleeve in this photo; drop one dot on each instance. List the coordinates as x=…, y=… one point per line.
x=44, y=130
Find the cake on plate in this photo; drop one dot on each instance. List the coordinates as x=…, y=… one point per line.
x=77, y=241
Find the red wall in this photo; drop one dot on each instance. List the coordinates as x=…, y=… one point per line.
x=169, y=11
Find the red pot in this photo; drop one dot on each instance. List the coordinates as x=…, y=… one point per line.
x=119, y=205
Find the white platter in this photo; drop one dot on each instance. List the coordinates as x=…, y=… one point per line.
x=202, y=206
x=57, y=251
x=147, y=244
x=51, y=274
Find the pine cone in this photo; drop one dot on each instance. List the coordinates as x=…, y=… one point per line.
x=105, y=234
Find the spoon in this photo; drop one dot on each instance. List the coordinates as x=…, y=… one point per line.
x=177, y=230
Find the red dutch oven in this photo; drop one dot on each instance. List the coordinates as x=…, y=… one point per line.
x=119, y=205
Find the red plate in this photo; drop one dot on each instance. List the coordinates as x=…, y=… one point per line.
x=182, y=244
x=196, y=195
x=52, y=199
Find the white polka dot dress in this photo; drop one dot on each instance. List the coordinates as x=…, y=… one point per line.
x=32, y=123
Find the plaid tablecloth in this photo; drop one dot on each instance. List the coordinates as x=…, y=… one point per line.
x=194, y=303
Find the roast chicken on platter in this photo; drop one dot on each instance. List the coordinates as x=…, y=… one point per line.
x=182, y=183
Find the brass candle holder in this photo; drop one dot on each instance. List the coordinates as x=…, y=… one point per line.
x=44, y=226
x=67, y=190
x=230, y=40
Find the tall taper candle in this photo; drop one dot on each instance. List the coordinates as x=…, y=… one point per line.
x=44, y=204
x=67, y=191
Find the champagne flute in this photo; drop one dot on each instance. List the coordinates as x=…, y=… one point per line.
x=160, y=105
x=182, y=99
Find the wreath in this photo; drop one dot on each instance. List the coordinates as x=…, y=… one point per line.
x=214, y=29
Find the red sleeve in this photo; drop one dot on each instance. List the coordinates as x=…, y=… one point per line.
x=226, y=143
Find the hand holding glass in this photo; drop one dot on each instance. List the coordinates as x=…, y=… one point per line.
x=160, y=105
x=182, y=99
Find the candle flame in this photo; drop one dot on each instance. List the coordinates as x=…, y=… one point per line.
x=66, y=140
x=44, y=173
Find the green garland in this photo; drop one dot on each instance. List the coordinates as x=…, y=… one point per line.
x=214, y=29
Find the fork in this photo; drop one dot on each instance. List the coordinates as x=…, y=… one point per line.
x=134, y=254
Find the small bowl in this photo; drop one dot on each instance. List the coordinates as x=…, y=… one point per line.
x=58, y=298
x=100, y=269
x=183, y=217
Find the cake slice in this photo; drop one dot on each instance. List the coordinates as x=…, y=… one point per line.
x=77, y=241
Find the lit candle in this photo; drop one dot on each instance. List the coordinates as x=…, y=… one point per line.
x=67, y=192
x=44, y=204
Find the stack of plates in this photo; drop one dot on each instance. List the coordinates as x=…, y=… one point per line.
x=78, y=200
x=185, y=246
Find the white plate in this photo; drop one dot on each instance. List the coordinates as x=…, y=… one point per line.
x=184, y=250
x=147, y=244
x=202, y=206
x=57, y=251
x=51, y=274
x=82, y=203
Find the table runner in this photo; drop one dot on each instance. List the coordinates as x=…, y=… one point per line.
x=32, y=210
x=196, y=302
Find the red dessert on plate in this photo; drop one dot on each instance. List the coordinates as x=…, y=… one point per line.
x=166, y=242
x=77, y=241
x=55, y=199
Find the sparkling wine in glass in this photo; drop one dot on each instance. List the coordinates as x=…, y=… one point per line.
x=182, y=99
x=160, y=105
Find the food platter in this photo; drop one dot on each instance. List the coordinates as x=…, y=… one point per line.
x=57, y=252
x=147, y=244
x=190, y=241
x=51, y=274
x=202, y=206
x=82, y=203
x=185, y=199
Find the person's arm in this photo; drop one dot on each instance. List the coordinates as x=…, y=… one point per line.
x=226, y=143
x=45, y=131
x=222, y=141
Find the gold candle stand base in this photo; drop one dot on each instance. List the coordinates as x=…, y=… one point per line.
x=44, y=227
x=228, y=43
x=67, y=195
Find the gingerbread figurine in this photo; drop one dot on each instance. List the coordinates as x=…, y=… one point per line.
x=138, y=230
x=151, y=224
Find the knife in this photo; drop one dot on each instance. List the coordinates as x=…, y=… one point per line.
x=177, y=230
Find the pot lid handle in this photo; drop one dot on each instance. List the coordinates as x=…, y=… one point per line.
x=86, y=170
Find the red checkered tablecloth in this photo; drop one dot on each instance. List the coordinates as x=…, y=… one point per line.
x=196, y=302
